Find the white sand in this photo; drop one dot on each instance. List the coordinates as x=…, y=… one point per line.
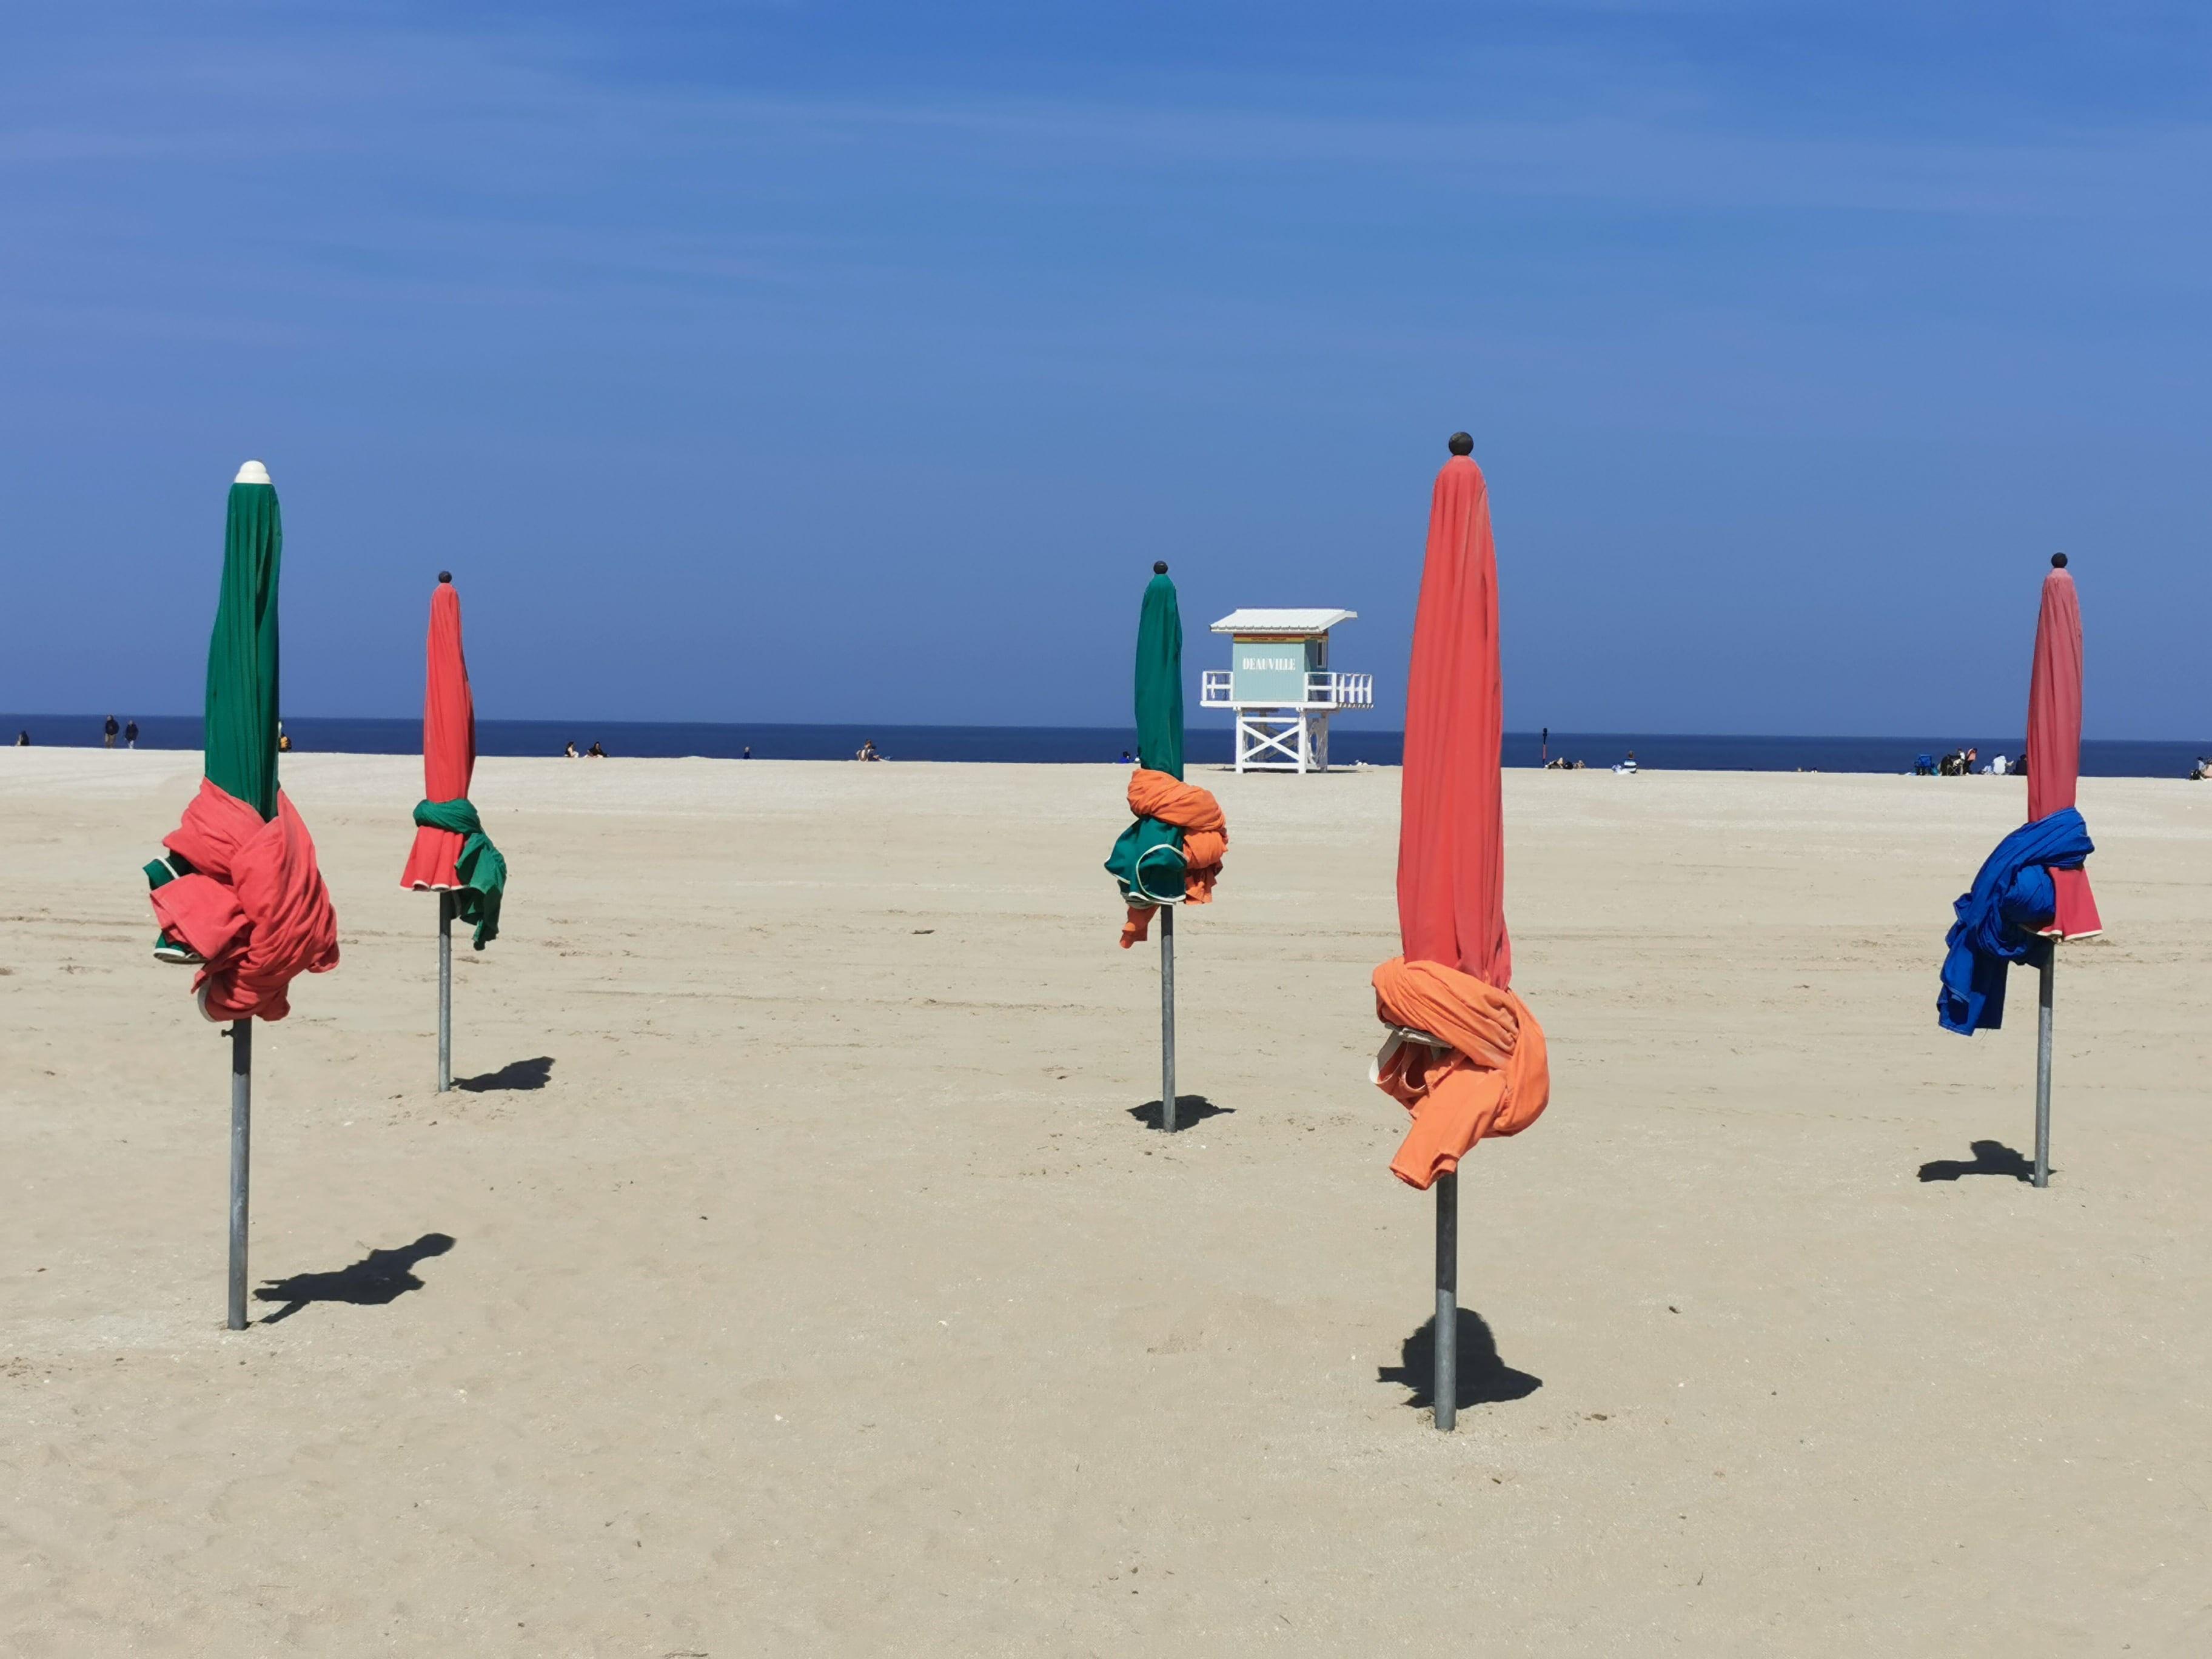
x=828, y=1300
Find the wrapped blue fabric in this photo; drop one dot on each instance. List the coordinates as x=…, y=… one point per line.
x=1999, y=917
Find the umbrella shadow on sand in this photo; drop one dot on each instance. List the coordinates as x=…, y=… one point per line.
x=1189, y=1109
x=515, y=1074
x=1484, y=1378
x=1991, y=1158
x=379, y=1277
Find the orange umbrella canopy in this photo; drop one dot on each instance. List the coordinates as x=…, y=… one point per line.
x=1451, y=836
x=449, y=742
x=1464, y=1056
x=2053, y=757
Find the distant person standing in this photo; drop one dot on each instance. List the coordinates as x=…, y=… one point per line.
x=1547, y=756
x=130, y=734
x=109, y=732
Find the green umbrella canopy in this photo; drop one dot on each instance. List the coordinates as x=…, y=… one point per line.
x=1159, y=679
x=1138, y=851
x=240, y=732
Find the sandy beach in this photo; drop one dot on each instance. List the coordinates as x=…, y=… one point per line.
x=794, y=1274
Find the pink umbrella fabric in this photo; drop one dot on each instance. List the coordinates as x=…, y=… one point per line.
x=449, y=744
x=2053, y=757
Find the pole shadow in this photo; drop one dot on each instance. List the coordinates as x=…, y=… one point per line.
x=1484, y=1379
x=1189, y=1109
x=515, y=1074
x=378, y=1278
x=1991, y=1158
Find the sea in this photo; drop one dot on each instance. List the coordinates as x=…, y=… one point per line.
x=1206, y=745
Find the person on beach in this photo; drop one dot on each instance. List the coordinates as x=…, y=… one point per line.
x=867, y=750
x=109, y=732
x=748, y=755
x=595, y=753
x=570, y=752
x=1628, y=765
x=23, y=740
x=130, y=734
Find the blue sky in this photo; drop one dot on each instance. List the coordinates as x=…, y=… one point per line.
x=854, y=362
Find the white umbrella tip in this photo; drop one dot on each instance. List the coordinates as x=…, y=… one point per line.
x=251, y=472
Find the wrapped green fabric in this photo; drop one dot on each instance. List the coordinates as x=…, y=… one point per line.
x=239, y=733
x=1149, y=847
x=239, y=737
x=482, y=869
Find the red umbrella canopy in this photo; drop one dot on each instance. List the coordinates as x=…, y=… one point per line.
x=2053, y=757
x=449, y=741
x=1451, y=835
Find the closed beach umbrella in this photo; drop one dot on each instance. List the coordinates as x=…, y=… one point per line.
x=1171, y=852
x=1461, y=1052
x=2053, y=757
x=2032, y=891
x=451, y=856
x=238, y=892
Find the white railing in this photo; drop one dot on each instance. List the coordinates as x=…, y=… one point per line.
x=1332, y=690
x=1324, y=690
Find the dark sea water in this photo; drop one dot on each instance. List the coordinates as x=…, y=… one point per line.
x=1207, y=744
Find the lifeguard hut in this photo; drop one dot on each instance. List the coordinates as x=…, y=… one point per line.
x=1282, y=687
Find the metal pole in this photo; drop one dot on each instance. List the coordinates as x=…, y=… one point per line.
x=1447, y=1390
x=241, y=1135
x=1166, y=1018
x=445, y=992
x=2043, y=1065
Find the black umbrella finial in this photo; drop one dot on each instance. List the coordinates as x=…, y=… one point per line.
x=2058, y=561
x=1461, y=444
x=444, y=576
x=1159, y=567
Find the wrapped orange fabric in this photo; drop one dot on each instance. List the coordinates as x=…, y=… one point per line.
x=253, y=904
x=1204, y=841
x=1495, y=1081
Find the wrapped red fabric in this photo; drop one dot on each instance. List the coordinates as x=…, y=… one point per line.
x=2053, y=755
x=449, y=742
x=254, y=905
x=1205, y=840
x=1495, y=1080
x=1454, y=979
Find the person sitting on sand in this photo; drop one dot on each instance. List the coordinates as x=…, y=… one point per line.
x=570, y=753
x=1627, y=765
x=595, y=753
x=868, y=751
x=2198, y=772
x=23, y=741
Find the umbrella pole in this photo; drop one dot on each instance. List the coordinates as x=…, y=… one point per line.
x=1166, y=1018
x=241, y=1129
x=1447, y=1379
x=2043, y=1065
x=445, y=992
